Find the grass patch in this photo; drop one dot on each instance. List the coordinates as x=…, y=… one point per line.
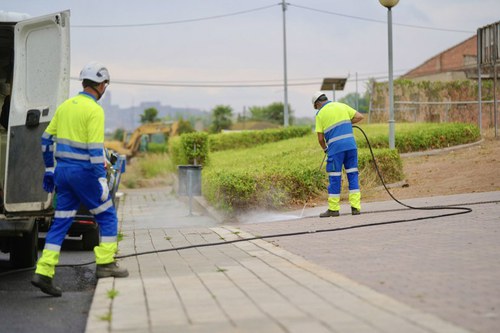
x=147, y=169
x=112, y=293
x=106, y=317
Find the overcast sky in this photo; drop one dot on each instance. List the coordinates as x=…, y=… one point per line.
x=187, y=45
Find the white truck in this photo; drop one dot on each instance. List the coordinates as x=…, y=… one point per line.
x=34, y=80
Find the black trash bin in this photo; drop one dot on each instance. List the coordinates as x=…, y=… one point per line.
x=189, y=180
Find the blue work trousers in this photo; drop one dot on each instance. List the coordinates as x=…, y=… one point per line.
x=349, y=160
x=80, y=185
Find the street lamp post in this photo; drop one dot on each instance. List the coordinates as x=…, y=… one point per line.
x=389, y=4
x=285, y=79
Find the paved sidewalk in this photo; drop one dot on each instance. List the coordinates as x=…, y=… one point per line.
x=366, y=279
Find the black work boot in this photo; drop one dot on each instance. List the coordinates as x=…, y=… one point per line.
x=330, y=213
x=355, y=211
x=111, y=269
x=45, y=284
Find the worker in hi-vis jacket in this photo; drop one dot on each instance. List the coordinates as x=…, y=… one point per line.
x=334, y=129
x=78, y=177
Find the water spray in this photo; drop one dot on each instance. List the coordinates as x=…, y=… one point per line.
x=320, y=166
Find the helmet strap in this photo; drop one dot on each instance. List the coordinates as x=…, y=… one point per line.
x=99, y=95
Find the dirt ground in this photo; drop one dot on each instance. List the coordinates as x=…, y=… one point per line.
x=465, y=170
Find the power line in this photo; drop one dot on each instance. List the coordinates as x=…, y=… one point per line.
x=136, y=25
x=235, y=84
x=203, y=85
x=380, y=21
x=174, y=22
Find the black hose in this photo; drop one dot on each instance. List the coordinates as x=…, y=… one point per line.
x=461, y=210
x=468, y=210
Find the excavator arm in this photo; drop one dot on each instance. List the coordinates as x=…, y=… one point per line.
x=131, y=147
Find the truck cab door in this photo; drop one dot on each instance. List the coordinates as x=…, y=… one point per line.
x=40, y=84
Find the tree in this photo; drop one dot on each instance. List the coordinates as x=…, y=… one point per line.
x=274, y=113
x=184, y=126
x=150, y=115
x=221, y=118
x=118, y=134
x=363, y=102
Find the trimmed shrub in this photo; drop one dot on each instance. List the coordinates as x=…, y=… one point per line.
x=247, y=139
x=423, y=136
x=195, y=147
x=186, y=148
x=176, y=151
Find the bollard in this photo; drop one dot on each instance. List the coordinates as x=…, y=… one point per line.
x=189, y=182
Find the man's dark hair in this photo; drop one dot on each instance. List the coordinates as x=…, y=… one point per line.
x=89, y=83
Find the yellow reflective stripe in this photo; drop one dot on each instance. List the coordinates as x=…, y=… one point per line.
x=102, y=208
x=63, y=214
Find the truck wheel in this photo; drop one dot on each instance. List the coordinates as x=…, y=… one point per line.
x=90, y=239
x=24, y=252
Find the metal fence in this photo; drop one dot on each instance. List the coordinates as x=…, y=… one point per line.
x=437, y=112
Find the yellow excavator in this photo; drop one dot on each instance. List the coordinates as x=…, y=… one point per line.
x=131, y=147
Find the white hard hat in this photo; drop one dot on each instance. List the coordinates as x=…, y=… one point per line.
x=95, y=71
x=316, y=96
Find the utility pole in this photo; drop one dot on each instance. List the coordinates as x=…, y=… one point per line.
x=357, y=94
x=285, y=123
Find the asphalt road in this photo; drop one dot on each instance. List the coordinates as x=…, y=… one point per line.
x=25, y=308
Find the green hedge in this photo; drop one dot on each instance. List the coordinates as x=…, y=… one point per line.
x=157, y=148
x=247, y=139
x=182, y=152
x=424, y=136
x=188, y=147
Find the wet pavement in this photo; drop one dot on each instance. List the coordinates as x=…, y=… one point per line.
x=382, y=271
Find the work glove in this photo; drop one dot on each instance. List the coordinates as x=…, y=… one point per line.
x=48, y=180
x=105, y=189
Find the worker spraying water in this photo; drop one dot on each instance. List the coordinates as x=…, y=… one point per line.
x=334, y=128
